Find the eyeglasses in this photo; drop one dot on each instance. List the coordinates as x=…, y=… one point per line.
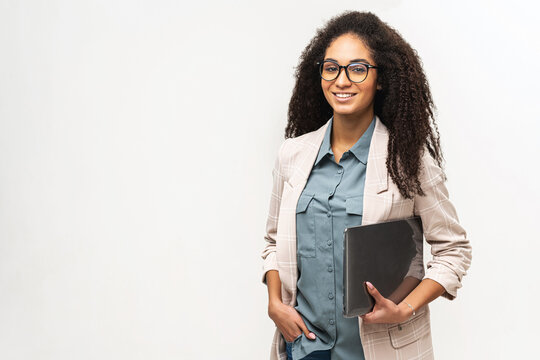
x=356, y=72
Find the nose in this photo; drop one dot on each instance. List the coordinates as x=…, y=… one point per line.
x=342, y=79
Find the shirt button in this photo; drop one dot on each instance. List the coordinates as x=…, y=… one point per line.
x=330, y=296
x=329, y=242
x=331, y=321
x=340, y=171
x=329, y=214
x=330, y=269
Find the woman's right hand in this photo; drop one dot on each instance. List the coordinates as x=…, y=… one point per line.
x=288, y=320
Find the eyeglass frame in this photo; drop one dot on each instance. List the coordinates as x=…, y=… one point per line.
x=346, y=67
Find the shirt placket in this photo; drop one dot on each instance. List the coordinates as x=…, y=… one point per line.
x=338, y=171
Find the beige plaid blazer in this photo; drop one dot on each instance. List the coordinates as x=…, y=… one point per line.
x=450, y=247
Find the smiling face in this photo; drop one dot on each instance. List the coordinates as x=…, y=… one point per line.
x=346, y=49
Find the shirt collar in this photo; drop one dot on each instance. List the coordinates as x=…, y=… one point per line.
x=360, y=149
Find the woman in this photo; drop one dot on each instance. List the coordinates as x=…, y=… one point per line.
x=360, y=148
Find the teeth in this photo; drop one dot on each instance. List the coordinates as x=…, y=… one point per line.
x=344, y=95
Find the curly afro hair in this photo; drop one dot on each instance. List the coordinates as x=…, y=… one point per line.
x=404, y=104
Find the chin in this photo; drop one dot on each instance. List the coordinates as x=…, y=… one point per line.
x=345, y=110
x=350, y=111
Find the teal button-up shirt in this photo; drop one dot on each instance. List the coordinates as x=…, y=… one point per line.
x=331, y=201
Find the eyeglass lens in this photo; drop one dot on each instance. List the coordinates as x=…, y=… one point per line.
x=357, y=72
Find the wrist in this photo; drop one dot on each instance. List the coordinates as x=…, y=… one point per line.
x=406, y=310
x=273, y=307
x=274, y=302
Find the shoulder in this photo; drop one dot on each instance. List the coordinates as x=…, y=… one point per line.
x=292, y=149
x=431, y=173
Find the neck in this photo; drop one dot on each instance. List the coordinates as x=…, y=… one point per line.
x=347, y=129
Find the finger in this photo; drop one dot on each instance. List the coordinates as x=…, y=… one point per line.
x=305, y=330
x=287, y=335
x=374, y=292
x=293, y=335
x=370, y=317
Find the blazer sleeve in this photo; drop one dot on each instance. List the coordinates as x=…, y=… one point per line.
x=269, y=252
x=450, y=247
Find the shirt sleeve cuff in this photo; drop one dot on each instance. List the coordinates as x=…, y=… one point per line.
x=444, y=276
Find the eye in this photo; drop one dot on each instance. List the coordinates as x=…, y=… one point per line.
x=357, y=68
x=330, y=68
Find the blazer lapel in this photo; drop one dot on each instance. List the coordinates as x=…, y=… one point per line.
x=377, y=198
x=310, y=146
x=378, y=149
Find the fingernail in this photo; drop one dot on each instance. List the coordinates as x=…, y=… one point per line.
x=312, y=335
x=369, y=285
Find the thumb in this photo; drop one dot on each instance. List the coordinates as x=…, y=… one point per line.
x=374, y=292
x=308, y=333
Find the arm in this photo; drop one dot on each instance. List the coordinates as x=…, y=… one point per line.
x=269, y=252
x=450, y=248
x=286, y=318
x=274, y=287
x=427, y=291
x=386, y=311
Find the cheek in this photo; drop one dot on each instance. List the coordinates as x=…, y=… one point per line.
x=324, y=86
x=368, y=89
x=326, y=89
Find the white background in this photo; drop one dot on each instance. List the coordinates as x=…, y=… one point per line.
x=137, y=140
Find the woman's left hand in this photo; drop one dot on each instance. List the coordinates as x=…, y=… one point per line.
x=385, y=310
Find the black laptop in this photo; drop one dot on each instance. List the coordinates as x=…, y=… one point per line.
x=387, y=254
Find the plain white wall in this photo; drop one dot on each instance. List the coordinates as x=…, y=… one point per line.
x=136, y=146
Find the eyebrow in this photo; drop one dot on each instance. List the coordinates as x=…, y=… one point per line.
x=354, y=60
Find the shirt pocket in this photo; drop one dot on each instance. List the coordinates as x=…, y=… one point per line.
x=305, y=226
x=354, y=207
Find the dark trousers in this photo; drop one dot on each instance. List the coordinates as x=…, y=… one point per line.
x=316, y=355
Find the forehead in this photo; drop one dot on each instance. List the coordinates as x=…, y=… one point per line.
x=347, y=48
